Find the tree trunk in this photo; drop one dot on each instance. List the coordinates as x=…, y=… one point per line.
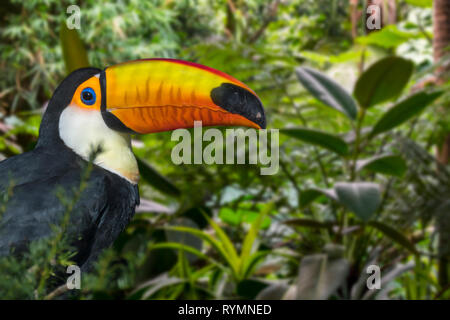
x=355, y=15
x=441, y=40
x=441, y=26
x=392, y=11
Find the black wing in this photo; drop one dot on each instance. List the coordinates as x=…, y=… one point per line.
x=40, y=199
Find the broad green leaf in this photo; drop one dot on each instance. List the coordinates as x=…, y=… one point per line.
x=309, y=195
x=230, y=216
x=155, y=179
x=386, y=164
x=383, y=81
x=236, y=217
x=363, y=198
x=394, y=235
x=327, y=91
x=74, y=52
x=319, y=138
x=404, y=111
x=251, y=216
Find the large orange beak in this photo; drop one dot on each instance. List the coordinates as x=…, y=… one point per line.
x=156, y=95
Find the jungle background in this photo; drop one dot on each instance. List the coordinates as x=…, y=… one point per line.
x=364, y=145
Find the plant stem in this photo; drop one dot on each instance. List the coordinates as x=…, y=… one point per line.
x=357, y=144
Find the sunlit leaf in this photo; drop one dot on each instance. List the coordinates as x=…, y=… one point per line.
x=226, y=244
x=327, y=91
x=388, y=37
x=250, y=238
x=206, y=237
x=421, y=3
x=236, y=217
x=319, y=138
x=383, y=81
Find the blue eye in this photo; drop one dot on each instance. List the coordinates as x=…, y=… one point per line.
x=88, y=96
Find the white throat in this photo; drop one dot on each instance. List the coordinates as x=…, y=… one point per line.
x=83, y=130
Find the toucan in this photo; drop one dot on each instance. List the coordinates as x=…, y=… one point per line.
x=94, y=108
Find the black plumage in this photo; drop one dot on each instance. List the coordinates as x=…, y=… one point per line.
x=102, y=210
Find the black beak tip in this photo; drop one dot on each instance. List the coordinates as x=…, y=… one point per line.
x=237, y=100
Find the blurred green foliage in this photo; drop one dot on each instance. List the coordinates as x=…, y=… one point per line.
x=357, y=184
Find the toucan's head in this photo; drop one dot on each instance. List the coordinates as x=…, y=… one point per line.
x=92, y=106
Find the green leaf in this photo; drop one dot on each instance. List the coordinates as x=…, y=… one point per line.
x=384, y=80
x=254, y=260
x=327, y=91
x=363, y=198
x=386, y=164
x=74, y=52
x=319, y=138
x=206, y=237
x=404, y=111
x=236, y=217
x=309, y=195
x=226, y=244
x=394, y=235
x=388, y=37
x=156, y=180
x=250, y=238
x=230, y=216
x=185, y=238
x=421, y=3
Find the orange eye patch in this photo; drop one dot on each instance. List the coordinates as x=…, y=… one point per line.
x=88, y=94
